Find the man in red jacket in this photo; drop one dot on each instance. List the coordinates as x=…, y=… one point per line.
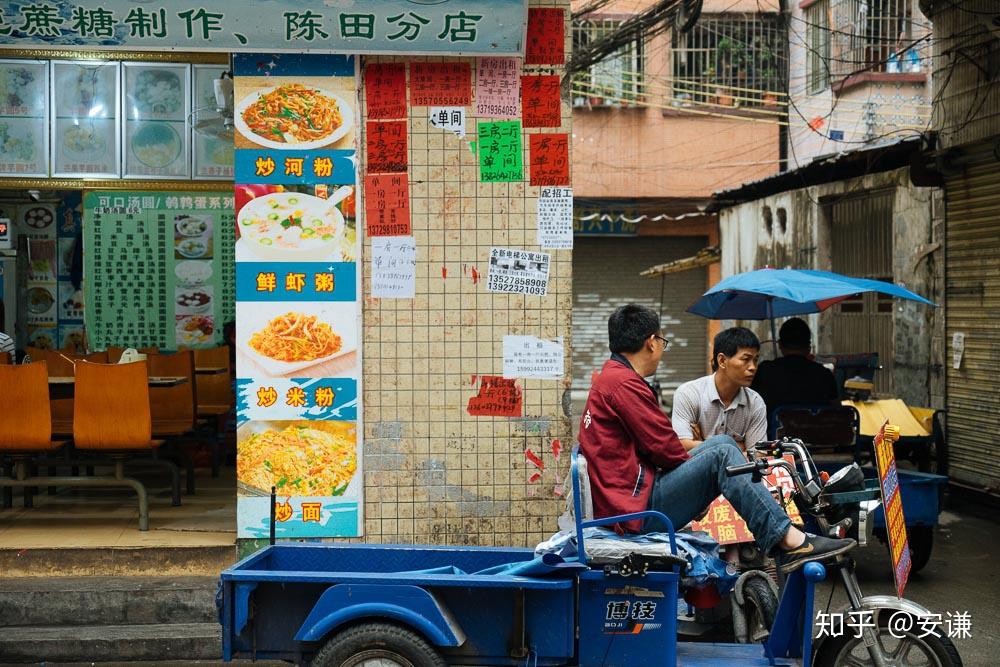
x=636, y=462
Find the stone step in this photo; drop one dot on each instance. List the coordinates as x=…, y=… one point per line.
x=72, y=601
x=123, y=644
x=118, y=561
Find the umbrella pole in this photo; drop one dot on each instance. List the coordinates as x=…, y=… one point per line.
x=774, y=336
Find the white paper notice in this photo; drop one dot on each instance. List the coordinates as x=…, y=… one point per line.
x=520, y=271
x=957, y=349
x=394, y=267
x=555, y=218
x=530, y=357
x=451, y=119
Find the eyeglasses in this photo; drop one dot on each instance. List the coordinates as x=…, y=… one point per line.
x=666, y=343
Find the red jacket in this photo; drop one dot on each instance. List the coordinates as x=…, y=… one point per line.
x=625, y=437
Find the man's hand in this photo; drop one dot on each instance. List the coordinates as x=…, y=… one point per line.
x=696, y=432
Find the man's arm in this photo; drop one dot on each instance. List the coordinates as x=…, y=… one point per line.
x=757, y=430
x=649, y=427
x=685, y=417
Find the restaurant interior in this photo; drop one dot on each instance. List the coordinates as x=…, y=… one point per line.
x=107, y=440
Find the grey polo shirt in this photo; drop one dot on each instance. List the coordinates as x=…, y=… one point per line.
x=698, y=402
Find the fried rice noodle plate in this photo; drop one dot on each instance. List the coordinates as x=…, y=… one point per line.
x=301, y=459
x=293, y=113
x=296, y=337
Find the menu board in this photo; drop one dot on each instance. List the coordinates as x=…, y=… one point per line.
x=24, y=145
x=298, y=310
x=154, y=266
x=85, y=136
x=157, y=140
x=212, y=149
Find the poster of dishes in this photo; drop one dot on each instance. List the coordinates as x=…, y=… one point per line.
x=85, y=141
x=211, y=141
x=42, y=294
x=24, y=97
x=281, y=110
x=156, y=265
x=157, y=138
x=298, y=312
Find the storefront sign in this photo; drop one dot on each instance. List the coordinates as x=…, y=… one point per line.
x=158, y=268
x=450, y=27
x=892, y=502
x=298, y=314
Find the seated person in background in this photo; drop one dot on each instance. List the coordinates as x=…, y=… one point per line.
x=722, y=403
x=794, y=379
x=636, y=461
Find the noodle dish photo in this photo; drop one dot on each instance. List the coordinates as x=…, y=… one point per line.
x=292, y=115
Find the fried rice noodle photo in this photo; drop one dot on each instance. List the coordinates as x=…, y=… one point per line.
x=293, y=113
x=296, y=337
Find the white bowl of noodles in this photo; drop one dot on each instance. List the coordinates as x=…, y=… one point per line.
x=291, y=227
x=293, y=116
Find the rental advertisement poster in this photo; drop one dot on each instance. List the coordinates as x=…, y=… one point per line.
x=298, y=310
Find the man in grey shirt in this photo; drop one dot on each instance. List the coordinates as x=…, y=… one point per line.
x=723, y=403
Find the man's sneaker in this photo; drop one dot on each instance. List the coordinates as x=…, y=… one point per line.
x=815, y=548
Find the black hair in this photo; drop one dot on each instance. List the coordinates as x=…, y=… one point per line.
x=728, y=341
x=629, y=326
x=795, y=334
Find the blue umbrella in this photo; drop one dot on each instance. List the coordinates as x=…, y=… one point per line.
x=767, y=294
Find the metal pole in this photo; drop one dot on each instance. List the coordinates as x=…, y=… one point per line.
x=273, y=499
x=770, y=316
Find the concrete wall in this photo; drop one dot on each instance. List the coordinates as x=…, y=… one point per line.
x=966, y=71
x=655, y=150
x=895, y=102
x=918, y=264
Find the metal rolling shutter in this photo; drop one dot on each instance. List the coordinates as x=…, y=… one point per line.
x=606, y=275
x=972, y=307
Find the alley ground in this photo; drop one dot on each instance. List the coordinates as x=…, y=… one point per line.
x=962, y=575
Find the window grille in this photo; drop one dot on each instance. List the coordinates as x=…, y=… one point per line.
x=875, y=36
x=729, y=60
x=616, y=79
x=818, y=44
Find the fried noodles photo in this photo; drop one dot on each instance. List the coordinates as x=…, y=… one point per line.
x=296, y=337
x=300, y=460
x=293, y=113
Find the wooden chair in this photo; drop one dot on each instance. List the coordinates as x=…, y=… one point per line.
x=25, y=425
x=214, y=393
x=114, y=353
x=112, y=417
x=173, y=408
x=63, y=365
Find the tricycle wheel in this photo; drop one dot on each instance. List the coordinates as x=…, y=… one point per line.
x=899, y=646
x=759, y=608
x=921, y=539
x=377, y=645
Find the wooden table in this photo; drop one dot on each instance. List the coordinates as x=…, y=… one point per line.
x=210, y=370
x=62, y=386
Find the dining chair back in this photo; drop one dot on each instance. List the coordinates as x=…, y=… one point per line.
x=111, y=407
x=214, y=391
x=172, y=408
x=25, y=421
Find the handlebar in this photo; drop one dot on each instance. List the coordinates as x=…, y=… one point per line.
x=744, y=469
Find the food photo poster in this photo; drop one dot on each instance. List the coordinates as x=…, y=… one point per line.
x=298, y=307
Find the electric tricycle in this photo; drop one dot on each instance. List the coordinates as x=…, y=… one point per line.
x=428, y=606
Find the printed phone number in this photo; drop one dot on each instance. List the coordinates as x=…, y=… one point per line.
x=496, y=110
x=513, y=285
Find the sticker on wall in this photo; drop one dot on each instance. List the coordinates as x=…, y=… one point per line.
x=497, y=397
x=500, y=152
x=498, y=87
x=532, y=357
x=555, y=218
x=394, y=267
x=450, y=119
x=518, y=271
